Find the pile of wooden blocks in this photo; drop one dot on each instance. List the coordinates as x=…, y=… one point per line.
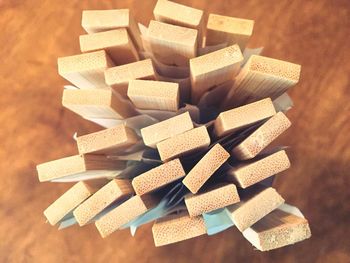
x=188, y=114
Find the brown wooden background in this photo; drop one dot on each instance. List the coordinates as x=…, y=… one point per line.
x=35, y=128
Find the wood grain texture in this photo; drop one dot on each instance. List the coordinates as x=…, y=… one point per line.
x=310, y=33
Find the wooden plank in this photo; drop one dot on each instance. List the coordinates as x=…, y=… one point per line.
x=86, y=71
x=172, y=45
x=205, y=168
x=213, y=69
x=262, y=137
x=210, y=200
x=116, y=43
x=113, y=192
x=94, y=21
x=154, y=95
x=184, y=144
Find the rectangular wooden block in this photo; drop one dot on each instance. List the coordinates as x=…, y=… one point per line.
x=277, y=229
x=205, y=168
x=114, y=191
x=94, y=21
x=250, y=210
x=108, y=141
x=154, y=95
x=177, y=227
x=213, y=69
x=172, y=45
x=184, y=144
x=116, y=43
x=251, y=173
x=233, y=120
x=118, y=77
x=86, y=71
x=262, y=137
x=124, y=213
x=103, y=104
x=163, y=130
x=78, y=167
x=230, y=30
x=210, y=200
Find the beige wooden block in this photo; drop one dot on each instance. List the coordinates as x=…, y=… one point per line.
x=78, y=167
x=124, y=213
x=213, y=69
x=65, y=204
x=94, y=21
x=172, y=45
x=277, y=229
x=210, y=200
x=114, y=191
x=205, y=168
x=177, y=227
x=251, y=209
x=262, y=137
x=163, y=130
x=108, y=141
x=116, y=43
x=184, y=144
x=97, y=104
x=154, y=95
x=251, y=173
x=230, y=30
x=86, y=71
x=118, y=77
x=158, y=177
x=233, y=120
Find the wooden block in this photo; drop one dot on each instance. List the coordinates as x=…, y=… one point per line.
x=115, y=191
x=108, y=141
x=116, y=43
x=184, y=144
x=277, y=229
x=65, y=204
x=172, y=45
x=118, y=77
x=218, y=197
x=97, y=104
x=230, y=30
x=163, y=130
x=233, y=120
x=213, y=69
x=177, y=227
x=124, y=213
x=205, y=168
x=94, y=21
x=158, y=177
x=251, y=173
x=262, y=137
x=86, y=71
x=250, y=210
x=78, y=167
x=155, y=95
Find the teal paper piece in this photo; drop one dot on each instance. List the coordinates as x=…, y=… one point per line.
x=217, y=221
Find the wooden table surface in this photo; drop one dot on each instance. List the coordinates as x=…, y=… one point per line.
x=35, y=129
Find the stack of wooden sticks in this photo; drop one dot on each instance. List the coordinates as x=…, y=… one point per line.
x=188, y=114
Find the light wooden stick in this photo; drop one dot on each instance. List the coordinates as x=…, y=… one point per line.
x=205, y=168
x=172, y=45
x=213, y=69
x=94, y=21
x=218, y=197
x=184, y=144
x=155, y=95
x=230, y=30
x=115, y=42
x=115, y=191
x=262, y=137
